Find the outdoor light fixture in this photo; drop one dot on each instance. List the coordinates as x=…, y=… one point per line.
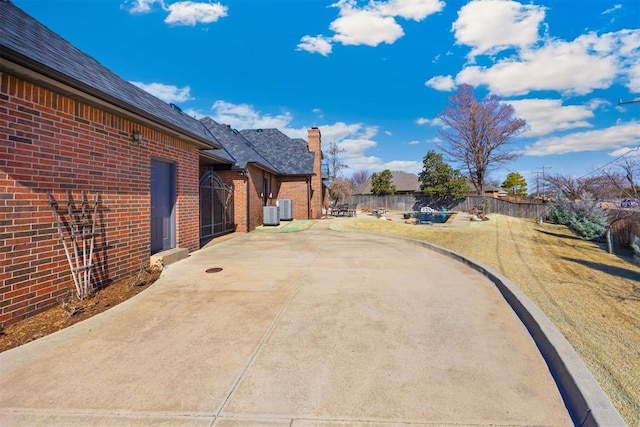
x=136, y=137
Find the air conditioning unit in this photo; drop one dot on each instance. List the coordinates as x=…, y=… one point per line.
x=270, y=215
x=286, y=209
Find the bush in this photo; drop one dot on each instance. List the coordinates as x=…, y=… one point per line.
x=635, y=245
x=587, y=218
x=587, y=229
x=560, y=212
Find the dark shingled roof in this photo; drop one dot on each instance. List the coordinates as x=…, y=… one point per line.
x=238, y=149
x=27, y=42
x=404, y=182
x=289, y=156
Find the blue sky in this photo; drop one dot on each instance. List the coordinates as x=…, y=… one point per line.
x=374, y=75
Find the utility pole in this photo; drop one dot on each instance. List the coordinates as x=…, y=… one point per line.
x=544, y=195
x=537, y=173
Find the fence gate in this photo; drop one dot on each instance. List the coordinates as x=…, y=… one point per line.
x=216, y=207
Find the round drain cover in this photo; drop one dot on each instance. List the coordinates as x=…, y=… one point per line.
x=214, y=270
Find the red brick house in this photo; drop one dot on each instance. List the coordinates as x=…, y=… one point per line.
x=265, y=165
x=71, y=129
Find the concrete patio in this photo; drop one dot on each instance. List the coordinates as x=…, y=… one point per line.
x=315, y=328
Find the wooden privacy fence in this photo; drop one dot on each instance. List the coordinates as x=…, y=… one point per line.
x=411, y=202
x=504, y=207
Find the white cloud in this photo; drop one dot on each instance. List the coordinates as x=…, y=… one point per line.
x=414, y=142
x=612, y=9
x=365, y=27
x=168, y=93
x=442, y=83
x=369, y=25
x=316, y=44
x=182, y=12
x=408, y=166
x=545, y=116
x=431, y=122
x=142, y=6
x=388, y=133
x=628, y=152
x=489, y=26
x=634, y=78
x=579, y=67
x=611, y=138
x=194, y=113
x=192, y=13
x=243, y=116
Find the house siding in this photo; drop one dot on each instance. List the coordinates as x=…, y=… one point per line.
x=53, y=143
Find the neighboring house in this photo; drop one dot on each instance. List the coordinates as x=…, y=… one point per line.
x=71, y=127
x=406, y=183
x=489, y=189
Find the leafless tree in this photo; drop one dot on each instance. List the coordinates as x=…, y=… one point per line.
x=360, y=177
x=624, y=177
x=478, y=133
x=340, y=189
x=335, y=165
x=572, y=188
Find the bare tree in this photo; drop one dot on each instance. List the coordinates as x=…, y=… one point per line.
x=624, y=178
x=479, y=133
x=360, y=177
x=335, y=165
x=340, y=189
x=572, y=188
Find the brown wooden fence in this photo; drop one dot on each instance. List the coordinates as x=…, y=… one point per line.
x=410, y=202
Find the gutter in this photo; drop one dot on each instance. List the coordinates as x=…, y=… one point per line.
x=248, y=201
x=308, y=197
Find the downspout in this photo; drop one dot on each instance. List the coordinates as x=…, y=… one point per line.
x=308, y=198
x=248, y=201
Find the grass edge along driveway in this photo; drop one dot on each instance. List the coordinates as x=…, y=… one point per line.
x=591, y=296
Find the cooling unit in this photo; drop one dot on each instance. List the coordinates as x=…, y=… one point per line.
x=270, y=215
x=285, y=207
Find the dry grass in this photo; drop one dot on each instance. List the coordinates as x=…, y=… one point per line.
x=591, y=296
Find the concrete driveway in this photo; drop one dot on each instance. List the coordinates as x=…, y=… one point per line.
x=317, y=328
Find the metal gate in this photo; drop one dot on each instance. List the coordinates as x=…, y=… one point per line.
x=216, y=207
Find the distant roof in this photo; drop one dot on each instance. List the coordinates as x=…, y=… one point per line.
x=488, y=188
x=288, y=156
x=404, y=182
x=28, y=43
x=237, y=149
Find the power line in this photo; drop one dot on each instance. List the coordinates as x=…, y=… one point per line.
x=608, y=163
x=621, y=102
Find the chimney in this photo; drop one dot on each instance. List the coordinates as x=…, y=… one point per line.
x=315, y=147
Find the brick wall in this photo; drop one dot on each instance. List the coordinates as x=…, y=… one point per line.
x=50, y=142
x=237, y=180
x=296, y=189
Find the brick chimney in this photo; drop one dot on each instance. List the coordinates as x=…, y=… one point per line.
x=315, y=146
